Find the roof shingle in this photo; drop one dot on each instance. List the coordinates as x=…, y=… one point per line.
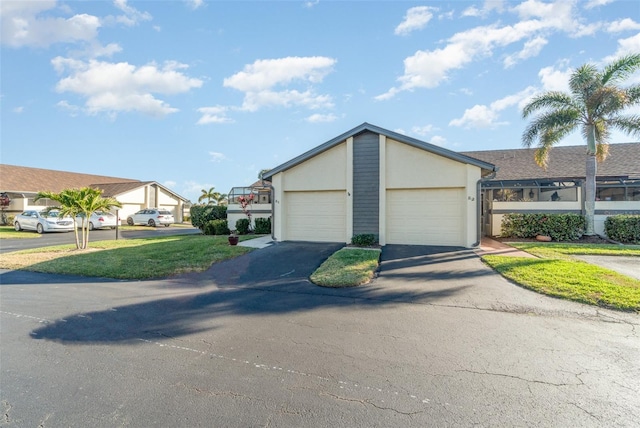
x=564, y=162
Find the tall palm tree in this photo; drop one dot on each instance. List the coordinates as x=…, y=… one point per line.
x=221, y=198
x=86, y=201
x=209, y=195
x=596, y=105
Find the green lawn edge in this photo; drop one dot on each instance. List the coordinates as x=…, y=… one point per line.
x=557, y=274
x=347, y=267
x=132, y=259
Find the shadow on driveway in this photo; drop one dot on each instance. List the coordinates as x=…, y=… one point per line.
x=272, y=280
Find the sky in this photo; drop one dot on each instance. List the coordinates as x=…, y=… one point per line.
x=197, y=94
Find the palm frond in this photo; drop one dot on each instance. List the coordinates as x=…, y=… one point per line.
x=547, y=100
x=547, y=125
x=621, y=69
x=629, y=124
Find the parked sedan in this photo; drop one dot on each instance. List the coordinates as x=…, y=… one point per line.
x=98, y=220
x=43, y=221
x=151, y=217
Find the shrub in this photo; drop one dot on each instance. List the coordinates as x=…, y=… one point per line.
x=263, y=226
x=364, y=240
x=560, y=227
x=216, y=227
x=242, y=226
x=623, y=228
x=202, y=214
x=10, y=220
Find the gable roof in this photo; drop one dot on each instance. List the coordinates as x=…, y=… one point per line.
x=20, y=179
x=393, y=135
x=568, y=162
x=24, y=180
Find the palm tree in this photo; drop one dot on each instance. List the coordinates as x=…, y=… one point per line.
x=84, y=201
x=209, y=195
x=221, y=198
x=596, y=105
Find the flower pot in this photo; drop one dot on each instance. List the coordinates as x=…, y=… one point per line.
x=543, y=238
x=233, y=240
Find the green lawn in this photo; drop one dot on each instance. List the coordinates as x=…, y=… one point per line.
x=128, y=258
x=8, y=232
x=557, y=274
x=347, y=267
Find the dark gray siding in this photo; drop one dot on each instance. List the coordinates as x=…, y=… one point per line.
x=366, y=183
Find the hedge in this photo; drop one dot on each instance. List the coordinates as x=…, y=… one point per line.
x=202, y=214
x=560, y=227
x=216, y=227
x=364, y=240
x=623, y=228
x=263, y=226
x=242, y=226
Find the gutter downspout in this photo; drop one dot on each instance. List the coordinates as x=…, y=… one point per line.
x=479, y=205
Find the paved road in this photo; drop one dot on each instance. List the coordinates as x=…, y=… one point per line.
x=436, y=340
x=59, y=238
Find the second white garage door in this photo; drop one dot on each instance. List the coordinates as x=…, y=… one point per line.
x=425, y=217
x=316, y=216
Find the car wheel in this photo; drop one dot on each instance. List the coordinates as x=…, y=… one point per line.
x=152, y=223
x=130, y=221
x=90, y=226
x=39, y=228
x=17, y=226
x=167, y=225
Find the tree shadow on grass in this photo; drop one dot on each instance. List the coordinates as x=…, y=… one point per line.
x=266, y=282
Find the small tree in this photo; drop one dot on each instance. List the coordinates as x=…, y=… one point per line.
x=86, y=201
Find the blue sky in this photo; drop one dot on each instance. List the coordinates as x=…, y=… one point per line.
x=195, y=94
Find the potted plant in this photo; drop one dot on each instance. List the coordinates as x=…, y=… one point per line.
x=233, y=238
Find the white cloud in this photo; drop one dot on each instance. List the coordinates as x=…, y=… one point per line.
x=531, y=48
x=482, y=116
x=422, y=130
x=595, y=3
x=194, y=4
x=259, y=82
x=555, y=80
x=428, y=69
x=621, y=25
x=132, y=16
x=321, y=118
x=217, y=157
x=416, y=18
x=22, y=24
x=438, y=140
x=18, y=110
x=488, y=6
x=217, y=114
x=169, y=184
x=626, y=46
x=310, y=3
x=121, y=87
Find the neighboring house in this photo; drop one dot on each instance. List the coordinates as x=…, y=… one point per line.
x=521, y=186
x=21, y=184
x=372, y=180
x=259, y=206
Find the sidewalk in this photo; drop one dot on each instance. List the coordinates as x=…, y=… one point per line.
x=491, y=246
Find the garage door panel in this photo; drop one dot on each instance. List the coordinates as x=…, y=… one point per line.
x=316, y=216
x=425, y=217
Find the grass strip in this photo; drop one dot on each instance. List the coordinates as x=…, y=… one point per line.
x=559, y=250
x=347, y=267
x=8, y=232
x=571, y=279
x=144, y=258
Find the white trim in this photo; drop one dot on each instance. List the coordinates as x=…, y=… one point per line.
x=382, y=178
x=349, y=180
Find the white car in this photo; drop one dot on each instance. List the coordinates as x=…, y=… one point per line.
x=152, y=217
x=43, y=221
x=98, y=220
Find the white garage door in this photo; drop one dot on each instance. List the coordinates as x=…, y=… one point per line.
x=425, y=217
x=316, y=216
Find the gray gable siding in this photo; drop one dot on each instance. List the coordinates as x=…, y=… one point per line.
x=366, y=183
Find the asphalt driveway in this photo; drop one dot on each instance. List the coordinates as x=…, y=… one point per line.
x=437, y=339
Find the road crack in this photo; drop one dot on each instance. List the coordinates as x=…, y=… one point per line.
x=370, y=403
x=525, y=379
